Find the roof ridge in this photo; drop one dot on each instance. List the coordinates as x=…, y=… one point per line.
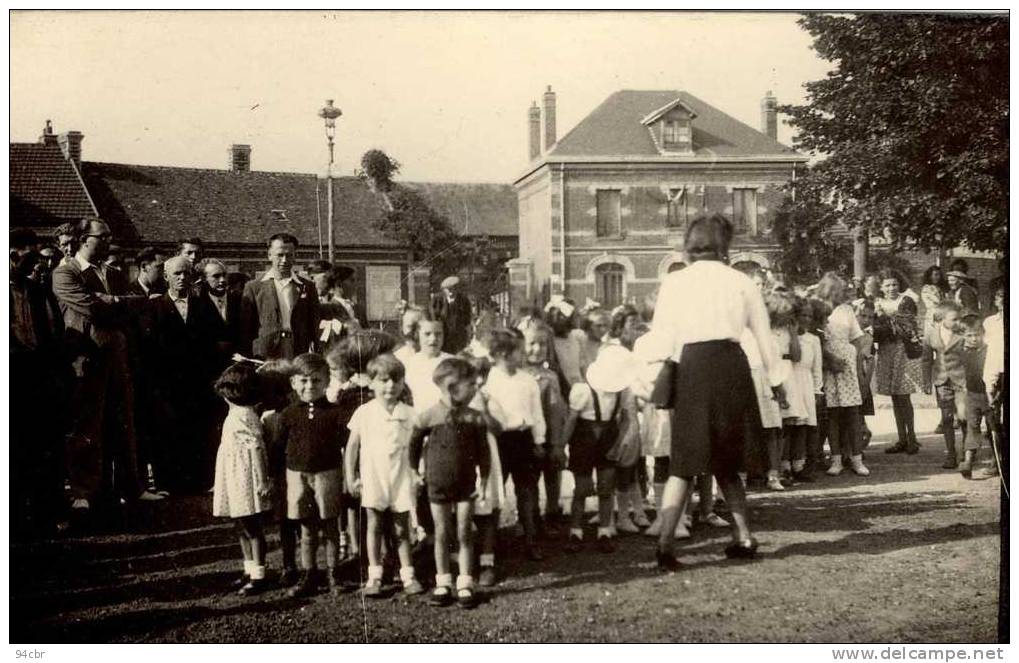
x=213, y=170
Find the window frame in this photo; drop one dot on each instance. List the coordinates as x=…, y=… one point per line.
x=675, y=220
x=749, y=213
x=602, y=274
x=598, y=225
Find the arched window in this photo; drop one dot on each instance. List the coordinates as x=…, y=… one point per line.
x=609, y=283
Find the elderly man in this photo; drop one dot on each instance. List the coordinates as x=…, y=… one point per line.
x=182, y=377
x=102, y=455
x=454, y=309
x=280, y=311
x=225, y=327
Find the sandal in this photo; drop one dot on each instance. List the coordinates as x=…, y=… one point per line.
x=465, y=598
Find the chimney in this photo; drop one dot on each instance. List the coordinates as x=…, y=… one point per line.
x=48, y=137
x=533, y=131
x=549, y=99
x=70, y=145
x=769, y=115
x=240, y=158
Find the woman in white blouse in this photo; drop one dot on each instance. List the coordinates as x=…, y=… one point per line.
x=701, y=314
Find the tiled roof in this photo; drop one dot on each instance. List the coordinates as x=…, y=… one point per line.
x=45, y=190
x=161, y=204
x=474, y=209
x=614, y=128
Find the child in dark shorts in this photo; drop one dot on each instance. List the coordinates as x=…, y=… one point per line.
x=456, y=449
x=313, y=435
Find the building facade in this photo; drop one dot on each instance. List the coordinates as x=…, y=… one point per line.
x=603, y=210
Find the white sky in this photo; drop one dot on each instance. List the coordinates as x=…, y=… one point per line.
x=444, y=93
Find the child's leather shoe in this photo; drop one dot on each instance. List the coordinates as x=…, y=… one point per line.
x=307, y=585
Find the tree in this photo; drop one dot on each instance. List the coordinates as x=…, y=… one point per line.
x=412, y=221
x=912, y=125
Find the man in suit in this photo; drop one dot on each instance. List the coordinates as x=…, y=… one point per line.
x=182, y=377
x=102, y=454
x=226, y=326
x=280, y=311
x=454, y=309
x=145, y=355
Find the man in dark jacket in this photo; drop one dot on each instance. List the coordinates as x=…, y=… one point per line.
x=102, y=454
x=454, y=309
x=280, y=311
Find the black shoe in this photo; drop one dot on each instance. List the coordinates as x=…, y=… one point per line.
x=289, y=577
x=803, y=477
x=667, y=562
x=254, y=587
x=950, y=462
x=337, y=585
x=605, y=544
x=240, y=581
x=913, y=449
x=466, y=599
x=743, y=550
x=306, y=586
x=441, y=599
x=534, y=554
x=898, y=448
x=575, y=544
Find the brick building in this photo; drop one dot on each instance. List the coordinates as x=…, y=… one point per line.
x=236, y=209
x=603, y=210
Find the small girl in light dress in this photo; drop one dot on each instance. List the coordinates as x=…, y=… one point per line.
x=803, y=386
x=243, y=489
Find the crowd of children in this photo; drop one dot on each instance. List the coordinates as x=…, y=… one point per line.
x=386, y=443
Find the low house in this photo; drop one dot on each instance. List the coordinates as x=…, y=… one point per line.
x=236, y=209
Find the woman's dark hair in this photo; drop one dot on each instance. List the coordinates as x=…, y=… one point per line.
x=708, y=237
x=240, y=384
x=928, y=277
x=358, y=349
x=502, y=343
x=888, y=273
x=560, y=323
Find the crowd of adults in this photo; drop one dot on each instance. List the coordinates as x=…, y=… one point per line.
x=111, y=398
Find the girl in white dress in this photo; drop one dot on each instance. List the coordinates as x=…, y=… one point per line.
x=377, y=465
x=802, y=387
x=243, y=490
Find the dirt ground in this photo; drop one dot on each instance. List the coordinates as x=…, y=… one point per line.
x=910, y=554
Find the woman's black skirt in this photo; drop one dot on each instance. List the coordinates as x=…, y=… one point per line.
x=713, y=396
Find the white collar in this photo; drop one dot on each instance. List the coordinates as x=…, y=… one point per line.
x=182, y=297
x=271, y=276
x=143, y=286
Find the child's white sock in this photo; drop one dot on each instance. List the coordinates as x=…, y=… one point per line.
x=487, y=559
x=257, y=571
x=406, y=574
x=444, y=580
x=374, y=572
x=248, y=565
x=464, y=582
x=576, y=533
x=604, y=532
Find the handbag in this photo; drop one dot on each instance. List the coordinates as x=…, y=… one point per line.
x=663, y=394
x=913, y=347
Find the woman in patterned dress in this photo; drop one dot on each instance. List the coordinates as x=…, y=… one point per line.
x=895, y=374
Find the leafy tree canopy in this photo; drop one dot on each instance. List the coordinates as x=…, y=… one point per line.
x=912, y=123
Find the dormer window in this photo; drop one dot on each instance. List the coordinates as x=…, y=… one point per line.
x=671, y=127
x=676, y=135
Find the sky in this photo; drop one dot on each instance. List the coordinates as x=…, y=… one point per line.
x=444, y=93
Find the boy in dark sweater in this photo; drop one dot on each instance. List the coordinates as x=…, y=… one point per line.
x=456, y=449
x=313, y=433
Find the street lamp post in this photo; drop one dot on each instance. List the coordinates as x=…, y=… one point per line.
x=329, y=113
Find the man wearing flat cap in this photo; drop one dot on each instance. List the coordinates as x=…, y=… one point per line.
x=454, y=309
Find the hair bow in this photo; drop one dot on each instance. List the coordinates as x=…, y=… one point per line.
x=590, y=305
x=330, y=327
x=557, y=302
